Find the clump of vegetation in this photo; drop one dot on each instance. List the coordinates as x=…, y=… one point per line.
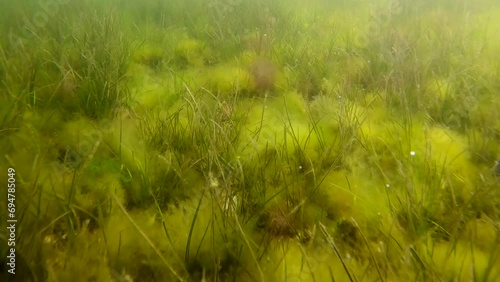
x=229, y=80
x=252, y=141
x=104, y=55
x=191, y=52
x=149, y=55
x=263, y=74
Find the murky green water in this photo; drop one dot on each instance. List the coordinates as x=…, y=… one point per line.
x=250, y=140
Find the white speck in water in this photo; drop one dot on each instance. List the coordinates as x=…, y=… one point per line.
x=300, y=167
x=387, y=185
x=412, y=153
x=381, y=247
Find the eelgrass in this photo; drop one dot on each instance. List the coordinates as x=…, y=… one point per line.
x=384, y=144
x=105, y=54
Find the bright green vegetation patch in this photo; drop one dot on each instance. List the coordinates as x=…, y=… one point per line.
x=252, y=140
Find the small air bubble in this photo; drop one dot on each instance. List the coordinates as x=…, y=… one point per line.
x=388, y=185
x=412, y=153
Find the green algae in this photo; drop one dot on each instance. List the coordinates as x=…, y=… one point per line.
x=254, y=141
x=191, y=52
x=227, y=80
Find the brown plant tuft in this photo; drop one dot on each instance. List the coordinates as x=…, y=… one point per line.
x=279, y=223
x=263, y=74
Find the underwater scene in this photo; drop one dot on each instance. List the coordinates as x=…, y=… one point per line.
x=250, y=140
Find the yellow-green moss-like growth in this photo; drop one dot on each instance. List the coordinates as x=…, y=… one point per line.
x=227, y=80
x=279, y=124
x=191, y=52
x=150, y=55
